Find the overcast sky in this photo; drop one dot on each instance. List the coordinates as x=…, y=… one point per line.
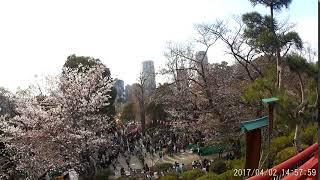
x=36, y=36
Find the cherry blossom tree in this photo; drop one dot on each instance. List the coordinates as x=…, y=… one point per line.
x=62, y=127
x=205, y=95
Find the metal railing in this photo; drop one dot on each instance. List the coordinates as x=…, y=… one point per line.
x=278, y=172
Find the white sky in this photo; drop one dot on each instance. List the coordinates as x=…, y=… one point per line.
x=36, y=36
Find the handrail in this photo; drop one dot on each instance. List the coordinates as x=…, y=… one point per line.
x=288, y=164
x=307, y=170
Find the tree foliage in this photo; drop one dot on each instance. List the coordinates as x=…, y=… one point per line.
x=259, y=33
x=218, y=167
x=156, y=111
x=275, y=4
x=7, y=105
x=129, y=112
x=83, y=62
x=61, y=128
x=192, y=174
x=297, y=63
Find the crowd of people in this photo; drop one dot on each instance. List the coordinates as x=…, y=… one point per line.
x=126, y=143
x=204, y=164
x=129, y=142
x=155, y=143
x=178, y=167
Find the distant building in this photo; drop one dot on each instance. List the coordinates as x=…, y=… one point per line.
x=202, y=58
x=148, y=73
x=182, y=78
x=119, y=85
x=7, y=106
x=128, y=93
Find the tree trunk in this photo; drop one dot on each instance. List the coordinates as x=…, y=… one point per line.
x=278, y=56
x=301, y=87
x=211, y=105
x=297, y=141
x=279, y=70
x=141, y=100
x=142, y=118
x=271, y=14
x=259, y=109
x=94, y=165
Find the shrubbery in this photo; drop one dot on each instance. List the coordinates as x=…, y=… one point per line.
x=284, y=155
x=163, y=167
x=218, y=167
x=308, y=134
x=208, y=176
x=235, y=164
x=315, y=137
x=228, y=175
x=192, y=174
x=174, y=174
x=280, y=143
x=168, y=177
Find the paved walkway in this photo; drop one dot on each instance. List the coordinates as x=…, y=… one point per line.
x=185, y=158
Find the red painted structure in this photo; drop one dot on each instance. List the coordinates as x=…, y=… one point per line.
x=302, y=166
x=253, y=139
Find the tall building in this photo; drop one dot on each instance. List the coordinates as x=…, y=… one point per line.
x=201, y=57
x=128, y=93
x=119, y=85
x=148, y=73
x=182, y=78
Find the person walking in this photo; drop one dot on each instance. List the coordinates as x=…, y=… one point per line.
x=220, y=151
x=193, y=164
x=122, y=172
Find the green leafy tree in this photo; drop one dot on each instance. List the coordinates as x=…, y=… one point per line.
x=293, y=109
x=300, y=66
x=74, y=61
x=156, y=111
x=141, y=99
x=267, y=35
x=129, y=112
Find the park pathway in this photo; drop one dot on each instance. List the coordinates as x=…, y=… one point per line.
x=185, y=158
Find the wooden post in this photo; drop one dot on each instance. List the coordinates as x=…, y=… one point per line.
x=252, y=129
x=253, y=140
x=271, y=102
x=270, y=107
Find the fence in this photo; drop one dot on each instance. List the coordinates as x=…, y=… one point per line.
x=299, y=167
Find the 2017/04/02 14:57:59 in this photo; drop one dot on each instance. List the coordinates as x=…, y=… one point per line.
x=273, y=172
